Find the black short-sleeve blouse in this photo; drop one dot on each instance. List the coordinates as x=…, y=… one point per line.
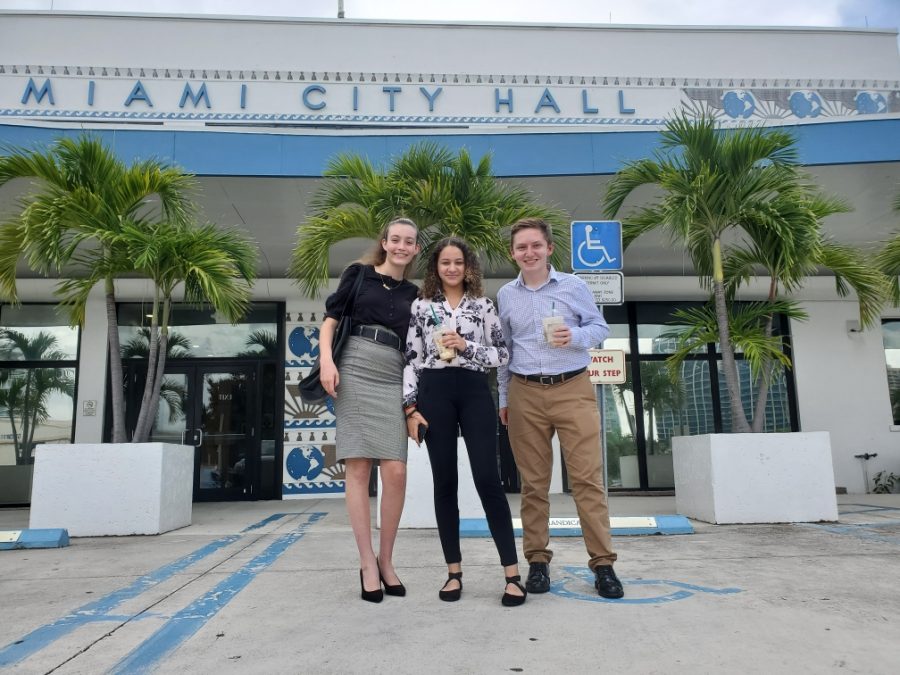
x=375, y=304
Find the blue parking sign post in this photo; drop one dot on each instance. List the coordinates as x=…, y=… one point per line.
x=596, y=245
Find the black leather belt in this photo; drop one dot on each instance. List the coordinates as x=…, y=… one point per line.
x=552, y=379
x=379, y=335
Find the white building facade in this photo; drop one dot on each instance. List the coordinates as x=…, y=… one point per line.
x=256, y=108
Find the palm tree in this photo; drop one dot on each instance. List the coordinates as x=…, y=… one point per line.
x=83, y=197
x=445, y=194
x=23, y=393
x=745, y=183
x=888, y=261
x=215, y=266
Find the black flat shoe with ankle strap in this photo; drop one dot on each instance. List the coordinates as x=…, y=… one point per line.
x=454, y=594
x=509, y=600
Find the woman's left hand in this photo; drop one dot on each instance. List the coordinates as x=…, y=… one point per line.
x=454, y=340
x=412, y=426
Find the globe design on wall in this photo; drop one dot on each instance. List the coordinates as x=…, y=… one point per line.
x=301, y=344
x=304, y=463
x=739, y=104
x=805, y=104
x=870, y=103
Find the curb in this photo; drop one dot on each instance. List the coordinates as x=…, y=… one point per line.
x=571, y=527
x=36, y=538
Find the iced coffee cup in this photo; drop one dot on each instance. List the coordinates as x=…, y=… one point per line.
x=445, y=353
x=551, y=323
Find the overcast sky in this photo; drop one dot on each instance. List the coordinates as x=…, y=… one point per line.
x=851, y=13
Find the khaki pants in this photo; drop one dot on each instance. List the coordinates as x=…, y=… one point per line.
x=569, y=408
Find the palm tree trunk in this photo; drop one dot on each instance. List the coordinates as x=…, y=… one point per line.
x=142, y=428
x=20, y=454
x=159, y=370
x=160, y=364
x=739, y=422
x=117, y=388
x=762, y=393
x=26, y=415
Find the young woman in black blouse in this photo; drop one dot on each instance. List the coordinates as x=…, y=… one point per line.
x=449, y=391
x=367, y=395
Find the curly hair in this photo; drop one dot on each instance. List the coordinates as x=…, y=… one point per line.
x=431, y=285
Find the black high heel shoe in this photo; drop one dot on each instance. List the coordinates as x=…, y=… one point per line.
x=509, y=600
x=369, y=596
x=454, y=594
x=398, y=590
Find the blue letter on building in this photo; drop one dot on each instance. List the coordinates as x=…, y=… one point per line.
x=508, y=101
x=39, y=94
x=138, y=94
x=319, y=89
x=622, y=108
x=547, y=101
x=585, y=108
x=431, y=97
x=391, y=91
x=189, y=93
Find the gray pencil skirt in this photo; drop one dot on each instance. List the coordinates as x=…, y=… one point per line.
x=369, y=405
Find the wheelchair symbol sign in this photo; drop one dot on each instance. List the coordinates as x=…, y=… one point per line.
x=596, y=245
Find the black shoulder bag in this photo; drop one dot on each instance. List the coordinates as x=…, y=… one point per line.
x=311, y=389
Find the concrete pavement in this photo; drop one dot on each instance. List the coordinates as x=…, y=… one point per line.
x=273, y=587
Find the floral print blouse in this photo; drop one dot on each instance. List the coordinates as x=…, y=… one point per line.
x=477, y=322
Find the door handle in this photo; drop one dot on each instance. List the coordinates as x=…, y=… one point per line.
x=199, y=439
x=182, y=436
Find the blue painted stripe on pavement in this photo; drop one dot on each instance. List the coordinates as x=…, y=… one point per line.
x=193, y=617
x=866, y=508
x=45, y=635
x=266, y=521
x=861, y=531
x=98, y=610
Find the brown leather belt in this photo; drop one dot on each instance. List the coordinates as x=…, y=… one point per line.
x=552, y=379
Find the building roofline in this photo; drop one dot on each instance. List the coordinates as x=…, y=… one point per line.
x=450, y=24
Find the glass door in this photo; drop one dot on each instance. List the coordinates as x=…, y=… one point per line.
x=213, y=408
x=224, y=433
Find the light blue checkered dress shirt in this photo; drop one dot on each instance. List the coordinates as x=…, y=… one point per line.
x=521, y=311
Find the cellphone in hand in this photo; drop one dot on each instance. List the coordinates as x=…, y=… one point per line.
x=422, y=429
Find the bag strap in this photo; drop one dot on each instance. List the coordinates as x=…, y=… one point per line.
x=351, y=299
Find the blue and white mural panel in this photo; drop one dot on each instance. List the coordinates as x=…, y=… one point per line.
x=310, y=467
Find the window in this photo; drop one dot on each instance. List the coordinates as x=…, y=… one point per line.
x=891, y=333
x=38, y=367
x=202, y=333
x=643, y=415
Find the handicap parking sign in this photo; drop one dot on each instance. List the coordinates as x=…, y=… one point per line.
x=596, y=245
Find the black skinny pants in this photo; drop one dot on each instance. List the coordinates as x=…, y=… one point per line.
x=451, y=398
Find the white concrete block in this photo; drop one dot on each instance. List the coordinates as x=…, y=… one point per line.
x=755, y=478
x=108, y=489
x=418, y=511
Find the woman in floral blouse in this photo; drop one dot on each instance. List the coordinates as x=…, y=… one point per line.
x=453, y=319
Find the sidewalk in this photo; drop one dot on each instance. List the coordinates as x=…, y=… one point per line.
x=268, y=587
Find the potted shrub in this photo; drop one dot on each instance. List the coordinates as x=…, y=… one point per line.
x=91, y=218
x=745, y=186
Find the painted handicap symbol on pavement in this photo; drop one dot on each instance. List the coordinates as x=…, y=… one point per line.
x=578, y=584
